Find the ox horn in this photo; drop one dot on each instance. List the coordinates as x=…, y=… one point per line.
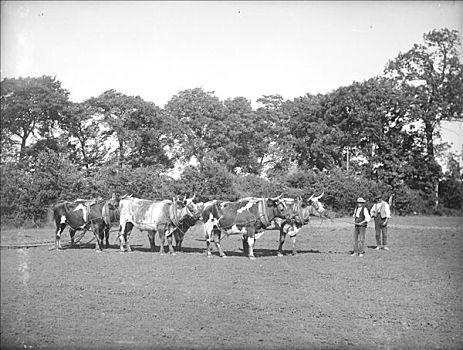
x=311, y=197
x=277, y=198
x=320, y=196
x=194, y=196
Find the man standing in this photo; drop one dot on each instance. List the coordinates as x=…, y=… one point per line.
x=361, y=218
x=381, y=211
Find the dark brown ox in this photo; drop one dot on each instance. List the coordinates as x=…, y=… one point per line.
x=83, y=215
x=302, y=210
x=165, y=217
x=247, y=217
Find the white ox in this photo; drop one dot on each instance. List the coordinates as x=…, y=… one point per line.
x=164, y=217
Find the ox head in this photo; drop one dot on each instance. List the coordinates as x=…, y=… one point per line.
x=279, y=207
x=193, y=208
x=113, y=202
x=316, y=204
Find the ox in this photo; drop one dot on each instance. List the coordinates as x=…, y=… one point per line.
x=302, y=210
x=165, y=217
x=83, y=215
x=248, y=217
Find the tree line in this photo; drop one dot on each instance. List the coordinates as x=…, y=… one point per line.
x=379, y=135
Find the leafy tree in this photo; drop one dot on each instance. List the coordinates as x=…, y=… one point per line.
x=210, y=180
x=29, y=190
x=83, y=135
x=315, y=143
x=30, y=108
x=241, y=144
x=140, y=129
x=272, y=129
x=431, y=75
x=201, y=121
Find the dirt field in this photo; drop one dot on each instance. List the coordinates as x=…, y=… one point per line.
x=408, y=298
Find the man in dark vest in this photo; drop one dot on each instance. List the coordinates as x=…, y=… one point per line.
x=361, y=218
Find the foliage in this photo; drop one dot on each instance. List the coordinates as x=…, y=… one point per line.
x=27, y=195
x=139, y=128
x=451, y=193
x=30, y=108
x=432, y=76
x=200, y=117
x=209, y=181
x=54, y=149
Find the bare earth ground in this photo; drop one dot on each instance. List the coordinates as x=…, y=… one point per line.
x=408, y=298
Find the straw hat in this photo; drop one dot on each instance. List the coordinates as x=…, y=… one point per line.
x=361, y=200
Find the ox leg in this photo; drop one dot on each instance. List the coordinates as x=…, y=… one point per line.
x=99, y=234
x=208, y=245
x=72, y=233
x=151, y=235
x=293, y=240
x=281, y=242
x=162, y=236
x=127, y=239
x=178, y=240
x=106, y=236
x=60, y=226
x=245, y=245
x=124, y=237
x=169, y=242
x=251, y=241
x=217, y=235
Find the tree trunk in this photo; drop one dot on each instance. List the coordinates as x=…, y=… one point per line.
x=22, y=150
x=121, y=154
x=429, y=131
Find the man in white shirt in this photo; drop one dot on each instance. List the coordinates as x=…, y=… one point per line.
x=381, y=211
x=361, y=218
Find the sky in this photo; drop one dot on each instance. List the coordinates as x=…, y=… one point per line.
x=156, y=49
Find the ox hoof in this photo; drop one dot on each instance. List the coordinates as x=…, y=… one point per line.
x=252, y=257
x=173, y=254
x=223, y=256
x=280, y=254
x=98, y=250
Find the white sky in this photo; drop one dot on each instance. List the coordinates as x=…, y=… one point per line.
x=156, y=49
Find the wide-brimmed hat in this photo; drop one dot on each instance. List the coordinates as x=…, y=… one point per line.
x=361, y=200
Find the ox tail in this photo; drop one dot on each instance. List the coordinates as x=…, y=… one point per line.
x=49, y=217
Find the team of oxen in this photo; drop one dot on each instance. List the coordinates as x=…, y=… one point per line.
x=171, y=219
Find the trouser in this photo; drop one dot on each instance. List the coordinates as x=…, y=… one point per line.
x=359, y=238
x=381, y=231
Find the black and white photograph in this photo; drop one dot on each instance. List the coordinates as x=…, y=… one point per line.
x=231, y=175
